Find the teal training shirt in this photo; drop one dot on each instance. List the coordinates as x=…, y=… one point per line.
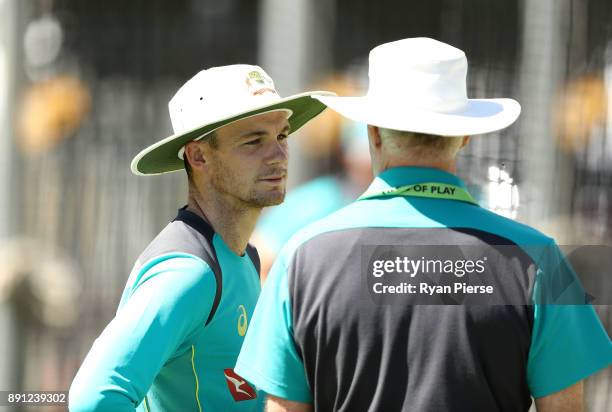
x=314, y=337
x=157, y=354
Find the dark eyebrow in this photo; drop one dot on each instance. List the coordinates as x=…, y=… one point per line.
x=262, y=133
x=253, y=133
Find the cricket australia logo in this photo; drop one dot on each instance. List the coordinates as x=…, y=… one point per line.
x=258, y=83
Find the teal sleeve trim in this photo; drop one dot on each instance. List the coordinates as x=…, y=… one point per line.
x=269, y=386
x=268, y=357
x=170, y=303
x=568, y=344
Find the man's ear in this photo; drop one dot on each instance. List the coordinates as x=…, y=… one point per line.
x=195, y=155
x=466, y=140
x=374, y=136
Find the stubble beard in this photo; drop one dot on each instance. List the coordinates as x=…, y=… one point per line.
x=261, y=200
x=227, y=182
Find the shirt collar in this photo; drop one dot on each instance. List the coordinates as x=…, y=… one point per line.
x=410, y=175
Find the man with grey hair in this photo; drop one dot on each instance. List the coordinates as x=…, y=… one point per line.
x=413, y=297
x=418, y=148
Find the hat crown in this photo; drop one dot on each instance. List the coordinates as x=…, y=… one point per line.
x=420, y=73
x=219, y=93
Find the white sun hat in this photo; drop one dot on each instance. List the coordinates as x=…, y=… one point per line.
x=419, y=85
x=214, y=98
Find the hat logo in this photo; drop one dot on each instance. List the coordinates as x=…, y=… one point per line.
x=228, y=94
x=259, y=84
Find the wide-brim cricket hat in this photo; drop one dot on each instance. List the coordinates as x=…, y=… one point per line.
x=419, y=85
x=214, y=98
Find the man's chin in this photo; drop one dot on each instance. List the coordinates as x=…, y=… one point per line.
x=267, y=200
x=275, y=200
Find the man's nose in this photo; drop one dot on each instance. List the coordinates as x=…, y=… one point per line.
x=278, y=153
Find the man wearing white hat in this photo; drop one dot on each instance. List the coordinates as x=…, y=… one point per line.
x=413, y=297
x=185, y=309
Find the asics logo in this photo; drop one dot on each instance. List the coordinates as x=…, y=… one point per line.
x=243, y=322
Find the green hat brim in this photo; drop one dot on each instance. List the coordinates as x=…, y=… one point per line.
x=162, y=157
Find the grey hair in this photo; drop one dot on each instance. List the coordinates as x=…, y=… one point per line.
x=421, y=144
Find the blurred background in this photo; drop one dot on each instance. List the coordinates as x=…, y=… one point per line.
x=84, y=86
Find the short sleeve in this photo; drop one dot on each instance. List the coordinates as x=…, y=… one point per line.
x=568, y=341
x=268, y=357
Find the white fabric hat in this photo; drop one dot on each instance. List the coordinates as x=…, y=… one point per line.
x=214, y=98
x=419, y=85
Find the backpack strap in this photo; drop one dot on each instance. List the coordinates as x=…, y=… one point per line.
x=209, y=253
x=254, y=256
